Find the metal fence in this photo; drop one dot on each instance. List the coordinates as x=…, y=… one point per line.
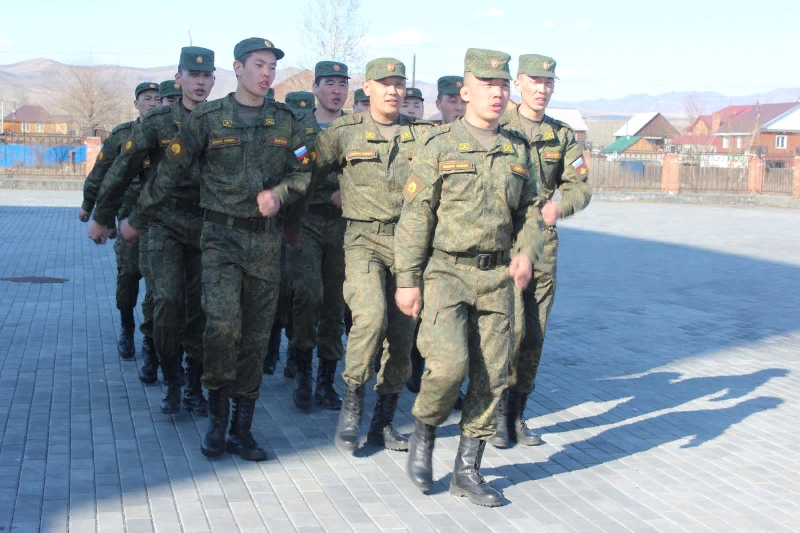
x=713, y=173
x=627, y=172
x=42, y=155
x=779, y=173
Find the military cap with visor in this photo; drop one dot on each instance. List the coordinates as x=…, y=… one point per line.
x=254, y=44
x=487, y=64
x=146, y=86
x=537, y=66
x=360, y=96
x=450, y=84
x=169, y=88
x=413, y=92
x=300, y=101
x=197, y=58
x=385, y=67
x=327, y=69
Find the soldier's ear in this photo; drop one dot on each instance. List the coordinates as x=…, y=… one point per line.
x=365, y=86
x=237, y=68
x=464, y=92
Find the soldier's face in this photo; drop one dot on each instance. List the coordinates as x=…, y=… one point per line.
x=452, y=107
x=386, y=96
x=412, y=107
x=332, y=92
x=536, y=92
x=146, y=102
x=196, y=84
x=486, y=98
x=168, y=100
x=361, y=106
x=257, y=73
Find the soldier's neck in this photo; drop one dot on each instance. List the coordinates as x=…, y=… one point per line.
x=188, y=103
x=530, y=113
x=474, y=120
x=380, y=118
x=245, y=97
x=326, y=116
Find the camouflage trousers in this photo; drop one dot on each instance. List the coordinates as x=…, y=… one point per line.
x=128, y=276
x=369, y=288
x=174, y=259
x=466, y=330
x=533, y=306
x=241, y=282
x=148, y=306
x=316, y=267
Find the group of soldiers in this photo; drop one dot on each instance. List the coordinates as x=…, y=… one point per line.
x=247, y=216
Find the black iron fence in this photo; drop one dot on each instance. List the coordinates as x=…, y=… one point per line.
x=626, y=172
x=42, y=155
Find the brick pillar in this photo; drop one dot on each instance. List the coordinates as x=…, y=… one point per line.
x=796, y=178
x=587, y=158
x=92, y=149
x=671, y=174
x=756, y=173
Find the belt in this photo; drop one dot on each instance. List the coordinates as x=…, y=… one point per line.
x=186, y=206
x=325, y=211
x=485, y=261
x=379, y=228
x=256, y=225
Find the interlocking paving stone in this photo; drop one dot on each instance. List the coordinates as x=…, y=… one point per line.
x=667, y=396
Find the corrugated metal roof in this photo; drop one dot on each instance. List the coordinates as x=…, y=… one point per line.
x=789, y=121
x=636, y=123
x=755, y=118
x=29, y=113
x=620, y=145
x=570, y=116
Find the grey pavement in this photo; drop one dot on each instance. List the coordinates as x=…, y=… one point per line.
x=668, y=397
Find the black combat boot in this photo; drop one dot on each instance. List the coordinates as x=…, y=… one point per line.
x=500, y=438
x=214, y=439
x=240, y=438
x=173, y=379
x=290, y=368
x=349, y=427
x=517, y=428
x=419, y=466
x=302, y=392
x=459, y=405
x=417, y=366
x=148, y=373
x=325, y=395
x=125, y=345
x=381, y=430
x=273, y=350
x=467, y=480
x=193, y=399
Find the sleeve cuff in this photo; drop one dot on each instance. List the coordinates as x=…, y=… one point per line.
x=87, y=206
x=105, y=221
x=408, y=279
x=135, y=221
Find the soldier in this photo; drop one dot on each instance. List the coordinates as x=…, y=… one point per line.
x=173, y=237
x=472, y=190
x=253, y=161
x=128, y=268
x=448, y=99
x=561, y=167
x=360, y=101
x=372, y=152
x=169, y=91
x=316, y=262
x=413, y=104
x=271, y=94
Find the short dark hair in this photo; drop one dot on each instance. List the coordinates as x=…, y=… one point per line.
x=318, y=80
x=439, y=97
x=245, y=57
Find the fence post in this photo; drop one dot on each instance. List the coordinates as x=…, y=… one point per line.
x=756, y=173
x=92, y=149
x=796, y=178
x=671, y=174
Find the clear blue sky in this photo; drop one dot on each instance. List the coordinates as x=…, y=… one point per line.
x=603, y=49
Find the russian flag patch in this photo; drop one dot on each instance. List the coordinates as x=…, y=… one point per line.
x=301, y=154
x=580, y=166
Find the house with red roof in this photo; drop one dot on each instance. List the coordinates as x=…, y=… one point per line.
x=743, y=132
x=35, y=120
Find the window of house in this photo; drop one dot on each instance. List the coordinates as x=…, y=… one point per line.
x=26, y=127
x=726, y=142
x=40, y=128
x=780, y=141
x=738, y=142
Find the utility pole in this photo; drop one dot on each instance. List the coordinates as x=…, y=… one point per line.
x=189, y=31
x=414, y=71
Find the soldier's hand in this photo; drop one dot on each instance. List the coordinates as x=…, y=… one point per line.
x=409, y=300
x=268, y=203
x=551, y=212
x=336, y=198
x=83, y=215
x=129, y=233
x=521, y=270
x=98, y=233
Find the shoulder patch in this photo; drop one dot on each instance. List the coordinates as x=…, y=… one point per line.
x=432, y=133
x=176, y=149
x=519, y=170
x=345, y=120
x=123, y=126
x=128, y=144
x=412, y=188
x=101, y=156
x=580, y=166
x=208, y=107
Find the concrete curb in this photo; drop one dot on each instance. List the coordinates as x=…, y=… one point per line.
x=40, y=184
x=720, y=199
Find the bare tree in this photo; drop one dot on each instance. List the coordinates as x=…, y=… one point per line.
x=93, y=96
x=334, y=30
x=694, y=110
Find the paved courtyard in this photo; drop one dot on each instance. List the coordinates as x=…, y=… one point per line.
x=669, y=398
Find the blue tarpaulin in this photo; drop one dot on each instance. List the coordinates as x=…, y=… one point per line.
x=39, y=156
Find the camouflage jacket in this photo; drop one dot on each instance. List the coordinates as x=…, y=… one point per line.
x=559, y=158
x=145, y=147
x=461, y=197
x=372, y=170
x=105, y=159
x=236, y=161
x=323, y=190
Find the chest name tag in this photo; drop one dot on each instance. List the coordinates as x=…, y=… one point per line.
x=456, y=166
x=164, y=142
x=361, y=155
x=552, y=156
x=278, y=141
x=519, y=170
x=223, y=141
